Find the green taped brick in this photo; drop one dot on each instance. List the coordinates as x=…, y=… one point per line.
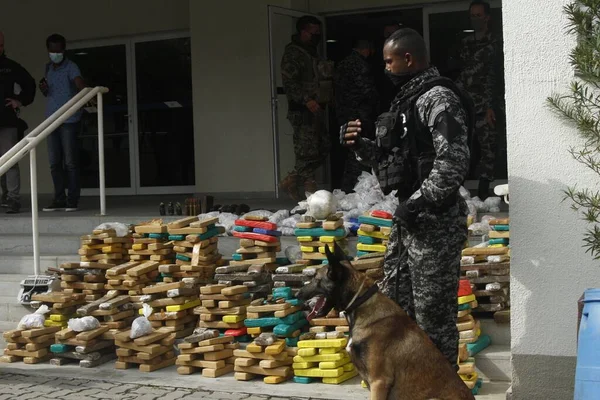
x=282, y=293
x=294, y=302
x=271, y=321
x=325, y=262
x=362, y=253
x=242, y=229
x=481, y=344
x=463, y=307
x=303, y=379
x=59, y=348
x=291, y=342
x=287, y=330
x=237, y=257
x=498, y=241
x=211, y=233
x=500, y=227
x=182, y=257
x=340, y=232
x=244, y=339
x=179, y=238
x=375, y=221
x=368, y=240
x=159, y=236
x=282, y=261
x=165, y=275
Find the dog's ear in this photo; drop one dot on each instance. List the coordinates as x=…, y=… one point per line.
x=339, y=253
x=335, y=270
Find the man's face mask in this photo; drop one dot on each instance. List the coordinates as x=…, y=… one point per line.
x=478, y=24
x=399, y=79
x=56, y=58
x=315, y=39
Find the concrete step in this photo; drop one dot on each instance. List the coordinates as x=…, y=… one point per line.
x=50, y=243
x=22, y=263
x=11, y=310
x=494, y=364
x=500, y=333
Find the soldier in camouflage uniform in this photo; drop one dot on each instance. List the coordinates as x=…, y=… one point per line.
x=301, y=72
x=479, y=57
x=421, y=151
x=355, y=98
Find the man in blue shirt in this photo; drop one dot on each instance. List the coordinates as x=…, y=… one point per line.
x=62, y=82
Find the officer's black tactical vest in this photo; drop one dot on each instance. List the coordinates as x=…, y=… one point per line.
x=409, y=143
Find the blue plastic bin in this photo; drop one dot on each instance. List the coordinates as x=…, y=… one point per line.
x=587, y=375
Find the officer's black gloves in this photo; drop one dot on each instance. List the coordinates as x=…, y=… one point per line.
x=350, y=134
x=407, y=212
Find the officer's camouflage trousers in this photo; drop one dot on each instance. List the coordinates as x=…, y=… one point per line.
x=311, y=143
x=486, y=139
x=428, y=279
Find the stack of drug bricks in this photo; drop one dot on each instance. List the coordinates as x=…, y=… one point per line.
x=314, y=235
x=151, y=352
x=267, y=356
x=86, y=277
x=63, y=306
x=323, y=355
x=151, y=243
x=224, y=308
x=256, y=258
x=205, y=350
x=115, y=311
x=91, y=348
x=132, y=277
x=333, y=322
x=173, y=306
x=487, y=266
x=471, y=341
x=280, y=314
x=103, y=246
x=195, y=243
x=30, y=346
x=374, y=232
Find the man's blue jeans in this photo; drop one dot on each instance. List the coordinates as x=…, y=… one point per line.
x=63, y=154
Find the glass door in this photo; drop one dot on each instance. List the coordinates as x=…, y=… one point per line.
x=282, y=25
x=106, y=64
x=164, y=114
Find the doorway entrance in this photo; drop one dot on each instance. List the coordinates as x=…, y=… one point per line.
x=148, y=117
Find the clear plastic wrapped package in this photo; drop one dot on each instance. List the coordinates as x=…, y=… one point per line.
x=83, y=324
x=141, y=326
x=34, y=320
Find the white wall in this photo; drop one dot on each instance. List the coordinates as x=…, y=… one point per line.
x=27, y=23
x=549, y=267
x=232, y=112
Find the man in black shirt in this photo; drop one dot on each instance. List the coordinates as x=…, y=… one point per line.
x=12, y=74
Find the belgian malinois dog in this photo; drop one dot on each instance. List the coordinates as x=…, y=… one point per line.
x=391, y=353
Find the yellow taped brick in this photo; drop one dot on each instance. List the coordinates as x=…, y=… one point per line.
x=304, y=238
x=376, y=234
x=49, y=324
x=321, y=343
x=364, y=384
x=340, y=379
x=334, y=364
x=139, y=246
x=304, y=365
x=319, y=373
x=307, y=249
x=232, y=319
x=307, y=352
x=321, y=357
x=185, y=306
x=466, y=299
x=275, y=348
x=330, y=239
x=254, y=331
x=273, y=380
x=469, y=378
x=329, y=350
x=379, y=248
x=349, y=367
x=58, y=317
x=254, y=348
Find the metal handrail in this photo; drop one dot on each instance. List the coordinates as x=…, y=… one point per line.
x=30, y=142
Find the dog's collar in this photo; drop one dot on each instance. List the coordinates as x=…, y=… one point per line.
x=358, y=301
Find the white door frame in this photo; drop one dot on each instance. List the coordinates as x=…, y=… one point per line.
x=134, y=164
x=272, y=11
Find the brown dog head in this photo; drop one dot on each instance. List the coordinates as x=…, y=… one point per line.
x=333, y=286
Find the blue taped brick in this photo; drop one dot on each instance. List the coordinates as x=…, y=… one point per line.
x=302, y=379
x=266, y=232
x=340, y=232
x=182, y=257
x=59, y=348
x=178, y=238
x=286, y=330
x=158, y=236
x=291, y=342
x=242, y=229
